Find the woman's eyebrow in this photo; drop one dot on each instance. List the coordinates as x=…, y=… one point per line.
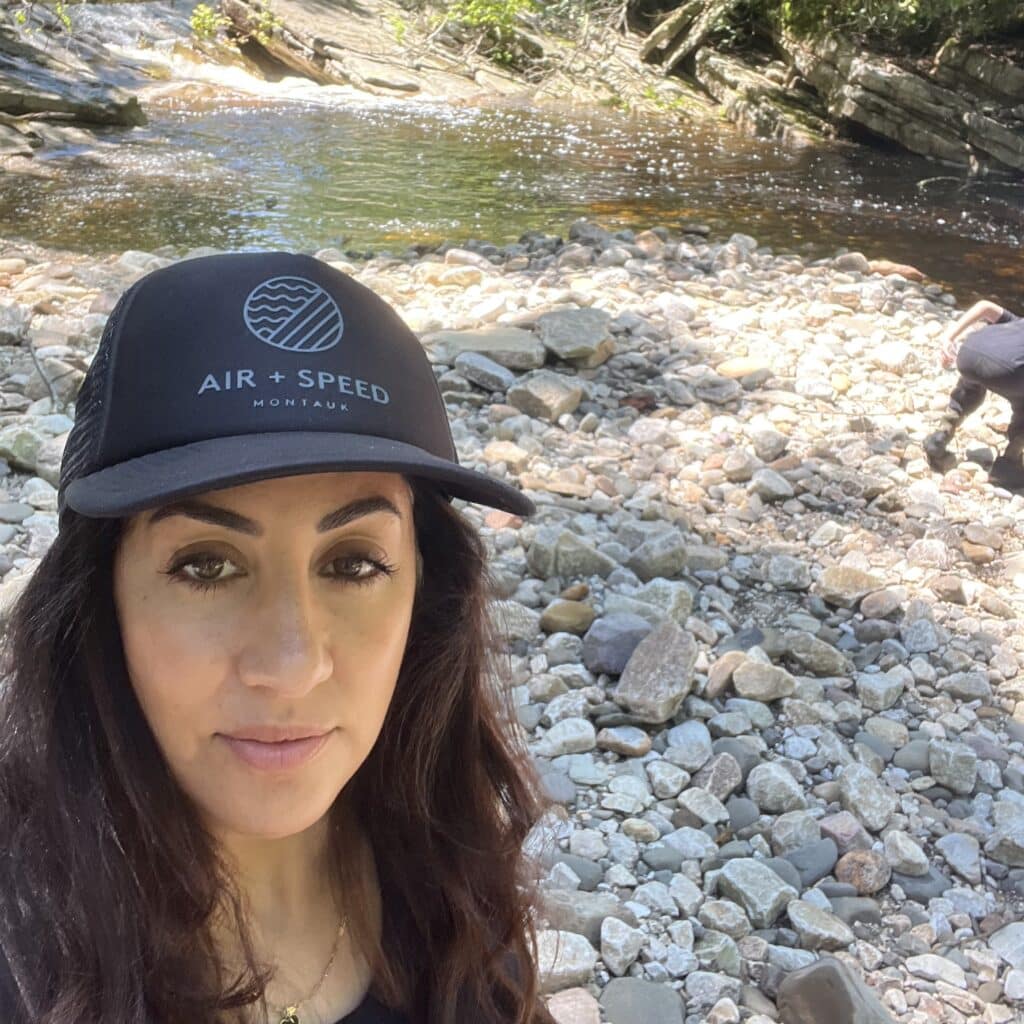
x=218, y=516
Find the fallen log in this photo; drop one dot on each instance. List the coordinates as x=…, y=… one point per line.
x=714, y=11
x=676, y=22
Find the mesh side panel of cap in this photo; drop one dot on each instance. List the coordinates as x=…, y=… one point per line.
x=81, y=449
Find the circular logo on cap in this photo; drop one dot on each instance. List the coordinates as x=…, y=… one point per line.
x=293, y=313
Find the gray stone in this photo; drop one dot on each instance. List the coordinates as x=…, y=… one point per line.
x=862, y=794
x=914, y=757
x=816, y=656
x=755, y=680
x=879, y=691
x=568, y=736
x=788, y=573
x=564, y=959
x=510, y=347
x=774, y=790
x=845, y=586
x=936, y=968
x=817, y=928
x=545, y=395
x=920, y=637
x=580, y=336
x=620, y=945
x=904, y=855
x=1006, y=845
x=792, y=830
x=755, y=887
x=770, y=485
x=967, y=686
x=611, y=640
x=721, y=776
x=953, y=765
x=484, y=372
x=704, y=988
x=659, y=674
x=692, y=843
x=558, y=552
x=856, y=909
x=923, y=888
x=1008, y=942
x=628, y=1000
x=690, y=745
x=827, y=990
x=582, y=912
x=661, y=556
x=814, y=860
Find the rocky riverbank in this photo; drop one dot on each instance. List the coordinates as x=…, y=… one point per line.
x=965, y=107
x=769, y=664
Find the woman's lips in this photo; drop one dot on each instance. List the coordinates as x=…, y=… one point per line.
x=281, y=756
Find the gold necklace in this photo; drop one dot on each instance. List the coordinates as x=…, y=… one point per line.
x=290, y=1014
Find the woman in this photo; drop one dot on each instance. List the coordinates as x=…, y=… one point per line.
x=988, y=359
x=251, y=766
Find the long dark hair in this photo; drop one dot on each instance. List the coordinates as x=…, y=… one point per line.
x=110, y=883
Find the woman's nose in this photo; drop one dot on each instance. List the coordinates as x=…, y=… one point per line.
x=286, y=643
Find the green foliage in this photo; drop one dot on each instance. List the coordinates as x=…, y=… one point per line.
x=205, y=21
x=908, y=22
x=399, y=26
x=58, y=7
x=495, y=20
x=267, y=23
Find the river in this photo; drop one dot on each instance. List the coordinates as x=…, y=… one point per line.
x=242, y=163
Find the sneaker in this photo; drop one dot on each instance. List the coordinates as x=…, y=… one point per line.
x=1007, y=473
x=935, y=450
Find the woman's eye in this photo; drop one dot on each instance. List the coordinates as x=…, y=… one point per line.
x=202, y=571
x=206, y=572
x=360, y=568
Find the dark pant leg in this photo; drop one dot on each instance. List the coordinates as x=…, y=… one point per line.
x=966, y=397
x=1015, y=433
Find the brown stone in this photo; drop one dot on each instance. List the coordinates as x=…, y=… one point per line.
x=949, y=588
x=979, y=554
x=846, y=831
x=720, y=674
x=567, y=617
x=868, y=872
x=887, y=267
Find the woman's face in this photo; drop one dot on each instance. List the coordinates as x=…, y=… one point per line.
x=281, y=603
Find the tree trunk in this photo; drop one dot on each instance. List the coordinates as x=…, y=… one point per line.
x=676, y=22
x=714, y=11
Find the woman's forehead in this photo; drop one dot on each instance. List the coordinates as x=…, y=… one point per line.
x=322, y=501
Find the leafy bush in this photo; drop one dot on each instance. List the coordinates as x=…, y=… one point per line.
x=920, y=22
x=495, y=20
x=206, y=22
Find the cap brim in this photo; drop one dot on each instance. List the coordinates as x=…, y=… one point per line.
x=172, y=473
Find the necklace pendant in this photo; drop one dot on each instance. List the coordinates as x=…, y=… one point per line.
x=291, y=1015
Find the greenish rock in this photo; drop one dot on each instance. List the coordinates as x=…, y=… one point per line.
x=20, y=445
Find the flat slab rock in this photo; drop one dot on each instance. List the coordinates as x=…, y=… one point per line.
x=828, y=991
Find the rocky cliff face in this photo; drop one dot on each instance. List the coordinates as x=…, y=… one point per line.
x=39, y=87
x=968, y=109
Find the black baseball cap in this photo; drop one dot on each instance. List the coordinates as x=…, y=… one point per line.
x=236, y=367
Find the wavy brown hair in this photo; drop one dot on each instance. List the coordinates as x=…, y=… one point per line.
x=110, y=883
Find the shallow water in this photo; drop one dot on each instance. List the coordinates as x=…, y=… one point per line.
x=294, y=165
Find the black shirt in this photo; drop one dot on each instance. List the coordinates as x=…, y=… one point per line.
x=370, y=1011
